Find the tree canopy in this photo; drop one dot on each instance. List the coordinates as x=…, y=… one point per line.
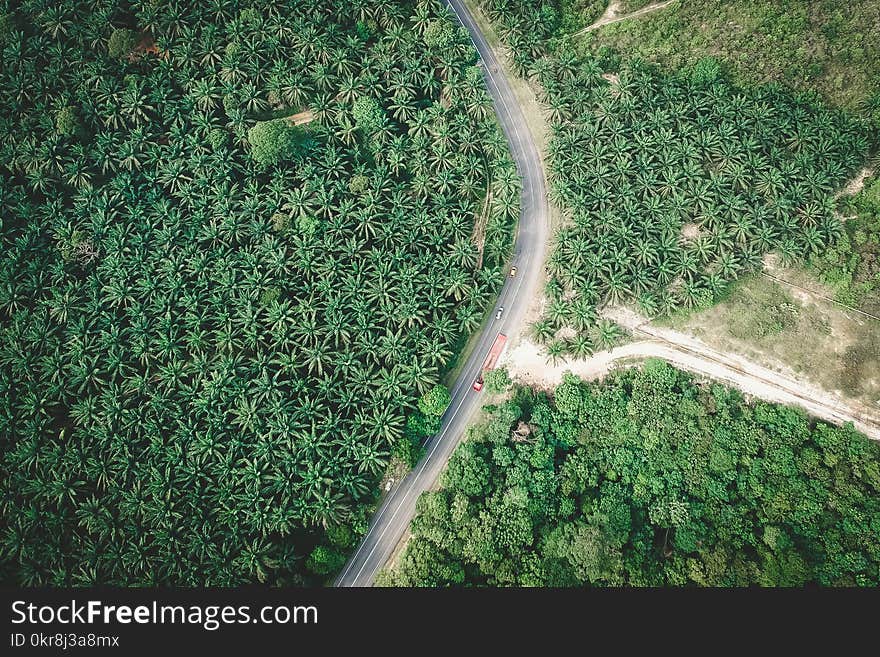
x=649, y=479
x=677, y=185
x=274, y=141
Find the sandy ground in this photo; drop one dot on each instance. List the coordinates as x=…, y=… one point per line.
x=856, y=185
x=527, y=364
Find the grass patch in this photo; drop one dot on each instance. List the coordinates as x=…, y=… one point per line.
x=774, y=314
x=774, y=325
x=829, y=47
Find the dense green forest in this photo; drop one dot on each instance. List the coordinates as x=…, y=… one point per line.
x=649, y=479
x=239, y=240
x=676, y=185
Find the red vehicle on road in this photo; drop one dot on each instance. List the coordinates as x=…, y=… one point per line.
x=491, y=360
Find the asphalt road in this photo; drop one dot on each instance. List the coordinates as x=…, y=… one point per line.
x=392, y=519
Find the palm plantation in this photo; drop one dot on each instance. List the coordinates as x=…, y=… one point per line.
x=215, y=323
x=676, y=185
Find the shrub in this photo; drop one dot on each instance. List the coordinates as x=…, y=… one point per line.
x=435, y=401
x=217, y=138
x=439, y=35
x=497, y=380
x=706, y=70
x=274, y=141
x=122, y=41
x=324, y=560
x=368, y=114
x=67, y=121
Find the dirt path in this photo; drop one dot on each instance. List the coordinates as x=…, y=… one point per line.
x=612, y=15
x=857, y=184
x=527, y=364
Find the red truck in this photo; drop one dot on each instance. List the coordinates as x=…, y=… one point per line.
x=491, y=360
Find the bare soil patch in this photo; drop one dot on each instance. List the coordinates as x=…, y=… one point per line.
x=301, y=118
x=857, y=184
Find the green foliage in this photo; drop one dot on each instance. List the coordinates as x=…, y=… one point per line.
x=439, y=35
x=851, y=266
x=206, y=362
x=649, y=479
x=497, y=380
x=678, y=185
x=810, y=45
x=872, y=111
x=250, y=17
x=763, y=313
x=629, y=6
x=365, y=29
x=577, y=14
x=218, y=138
x=121, y=42
x=435, y=401
x=358, y=184
x=408, y=450
x=325, y=561
x=67, y=122
x=275, y=141
x=6, y=26
x=368, y=114
x=307, y=225
x=706, y=71
x=527, y=26
x=420, y=426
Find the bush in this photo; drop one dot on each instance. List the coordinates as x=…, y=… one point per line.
x=358, y=184
x=435, y=401
x=408, y=449
x=368, y=114
x=67, y=121
x=274, y=141
x=121, y=42
x=439, y=35
x=706, y=71
x=217, y=138
x=497, y=380
x=324, y=560
x=419, y=425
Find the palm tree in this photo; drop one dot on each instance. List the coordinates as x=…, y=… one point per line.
x=606, y=334
x=556, y=351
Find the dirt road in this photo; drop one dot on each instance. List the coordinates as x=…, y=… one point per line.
x=612, y=15
x=527, y=364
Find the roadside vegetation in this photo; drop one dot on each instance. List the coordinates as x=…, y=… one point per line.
x=649, y=479
x=238, y=245
x=530, y=28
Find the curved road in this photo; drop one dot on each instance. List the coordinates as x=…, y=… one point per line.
x=392, y=519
